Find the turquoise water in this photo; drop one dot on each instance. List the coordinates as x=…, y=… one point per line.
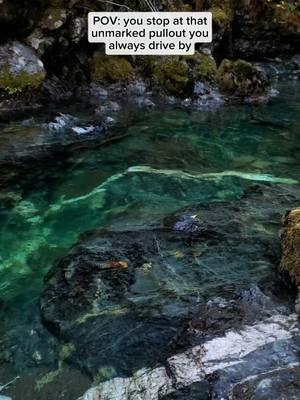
x=170, y=159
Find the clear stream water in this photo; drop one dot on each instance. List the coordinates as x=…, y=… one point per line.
x=170, y=159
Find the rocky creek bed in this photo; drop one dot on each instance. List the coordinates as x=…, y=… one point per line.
x=143, y=257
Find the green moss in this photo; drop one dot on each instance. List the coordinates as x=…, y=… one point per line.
x=241, y=68
x=111, y=68
x=220, y=16
x=173, y=74
x=46, y=379
x=65, y=352
x=16, y=83
x=241, y=78
x=203, y=67
x=178, y=5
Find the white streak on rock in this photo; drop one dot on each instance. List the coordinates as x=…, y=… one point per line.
x=193, y=365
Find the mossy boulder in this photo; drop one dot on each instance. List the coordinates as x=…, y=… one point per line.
x=111, y=69
x=20, y=69
x=172, y=74
x=290, y=241
x=203, y=66
x=241, y=79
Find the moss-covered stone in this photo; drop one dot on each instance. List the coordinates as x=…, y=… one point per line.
x=20, y=69
x=220, y=16
x=111, y=68
x=291, y=245
x=203, y=67
x=65, y=352
x=173, y=74
x=240, y=78
x=290, y=241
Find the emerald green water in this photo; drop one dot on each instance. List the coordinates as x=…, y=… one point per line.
x=171, y=158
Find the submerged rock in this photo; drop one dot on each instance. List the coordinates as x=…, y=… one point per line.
x=290, y=261
x=135, y=291
x=234, y=353
x=281, y=384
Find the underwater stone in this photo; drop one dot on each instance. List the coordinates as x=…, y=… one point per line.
x=82, y=295
x=190, y=224
x=278, y=384
x=230, y=352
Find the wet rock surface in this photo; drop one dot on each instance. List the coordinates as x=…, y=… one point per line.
x=290, y=261
x=139, y=293
x=265, y=29
x=282, y=384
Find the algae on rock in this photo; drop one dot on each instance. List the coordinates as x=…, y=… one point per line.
x=110, y=68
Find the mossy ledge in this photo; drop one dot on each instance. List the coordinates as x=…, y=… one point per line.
x=111, y=69
x=13, y=84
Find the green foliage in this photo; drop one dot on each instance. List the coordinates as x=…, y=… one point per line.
x=220, y=16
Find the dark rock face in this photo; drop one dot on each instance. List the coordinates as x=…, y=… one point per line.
x=17, y=17
x=133, y=292
x=196, y=391
x=265, y=29
x=278, y=385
